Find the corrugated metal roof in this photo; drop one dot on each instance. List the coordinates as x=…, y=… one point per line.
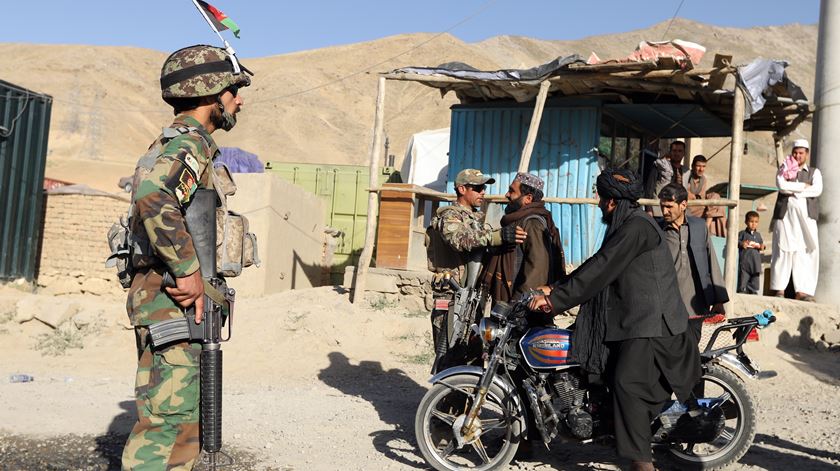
x=783, y=104
x=25, y=118
x=491, y=139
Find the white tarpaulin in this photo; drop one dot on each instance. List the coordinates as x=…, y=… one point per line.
x=427, y=159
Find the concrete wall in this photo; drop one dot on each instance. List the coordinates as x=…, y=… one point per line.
x=74, y=246
x=289, y=225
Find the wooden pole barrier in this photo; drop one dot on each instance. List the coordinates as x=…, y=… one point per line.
x=733, y=219
x=525, y=160
x=360, y=277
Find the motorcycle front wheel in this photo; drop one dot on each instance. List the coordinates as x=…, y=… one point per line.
x=441, y=415
x=738, y=431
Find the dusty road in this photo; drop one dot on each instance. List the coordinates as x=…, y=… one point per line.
x=312, y=383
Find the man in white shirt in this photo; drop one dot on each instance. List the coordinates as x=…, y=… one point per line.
x=795, y=240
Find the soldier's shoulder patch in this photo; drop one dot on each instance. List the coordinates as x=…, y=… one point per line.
x=183, y=177
x=191, y=162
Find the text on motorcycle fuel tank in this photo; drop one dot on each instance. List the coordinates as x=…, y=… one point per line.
x=547, y=347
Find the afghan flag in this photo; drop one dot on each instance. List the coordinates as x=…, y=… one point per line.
x=219, y=19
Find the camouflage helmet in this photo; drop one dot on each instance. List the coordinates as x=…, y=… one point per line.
x=198, y=71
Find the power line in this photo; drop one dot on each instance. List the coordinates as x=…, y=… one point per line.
x=672, y=19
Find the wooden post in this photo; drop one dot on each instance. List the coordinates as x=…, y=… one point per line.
x=733, y=220
x=360, y=277
x=525, y=160
x=780, y=150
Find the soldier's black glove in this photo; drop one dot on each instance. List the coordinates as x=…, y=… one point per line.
x=509, y=234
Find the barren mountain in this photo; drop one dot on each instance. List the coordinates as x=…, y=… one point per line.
x=317, y=106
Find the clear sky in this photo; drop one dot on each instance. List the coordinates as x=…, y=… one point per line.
x=272, y=27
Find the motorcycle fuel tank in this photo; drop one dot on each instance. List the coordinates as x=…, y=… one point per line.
x=547, y=348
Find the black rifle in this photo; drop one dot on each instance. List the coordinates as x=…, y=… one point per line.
x=462, y=313
x=218, y=308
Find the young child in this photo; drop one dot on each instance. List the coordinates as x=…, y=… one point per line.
x=750, y=246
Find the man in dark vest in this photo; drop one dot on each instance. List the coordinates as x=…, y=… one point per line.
x=796, y=247
x=632, y=318
x=698, y=272
x=514, y=269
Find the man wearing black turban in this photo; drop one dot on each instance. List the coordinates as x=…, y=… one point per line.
x=632, y=323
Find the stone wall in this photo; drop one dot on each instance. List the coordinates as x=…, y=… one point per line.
x=407, y=289
x=74, y=246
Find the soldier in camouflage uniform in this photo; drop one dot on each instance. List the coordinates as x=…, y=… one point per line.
x=462, y=226
x=201, y=84
x=458, y=233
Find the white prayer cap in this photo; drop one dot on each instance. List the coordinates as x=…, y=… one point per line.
x=801, y=143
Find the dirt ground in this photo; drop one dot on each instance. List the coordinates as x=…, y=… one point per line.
x=314, y=383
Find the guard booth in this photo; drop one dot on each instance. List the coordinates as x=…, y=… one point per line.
x=567, y=120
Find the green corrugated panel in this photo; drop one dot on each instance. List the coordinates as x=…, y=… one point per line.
x=25, y=118
x=344, y=191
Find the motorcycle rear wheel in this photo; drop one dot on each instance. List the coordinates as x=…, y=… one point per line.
x=739, y=426
x=440, y=412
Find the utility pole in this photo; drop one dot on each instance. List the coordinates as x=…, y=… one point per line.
x=826, y=143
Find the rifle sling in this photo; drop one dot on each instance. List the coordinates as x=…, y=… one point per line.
x=214, y=294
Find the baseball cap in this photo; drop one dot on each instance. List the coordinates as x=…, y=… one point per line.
x=471, y=176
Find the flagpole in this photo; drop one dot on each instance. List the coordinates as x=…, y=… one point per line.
x=228, y=47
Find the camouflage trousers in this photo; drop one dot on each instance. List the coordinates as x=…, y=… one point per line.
x=166, y=435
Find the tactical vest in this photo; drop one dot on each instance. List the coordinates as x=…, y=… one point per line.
x=131, y=249
x=813, y=204
x=440, y=256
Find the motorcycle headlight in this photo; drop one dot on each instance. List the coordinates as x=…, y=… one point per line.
x=488, y=329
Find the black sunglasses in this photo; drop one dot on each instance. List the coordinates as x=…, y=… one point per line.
x=233, y=89
x=477, y=188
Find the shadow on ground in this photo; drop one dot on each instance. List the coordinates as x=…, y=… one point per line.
x=86, y=452
x=769, y=452
x=394, y=396
x=822, y=365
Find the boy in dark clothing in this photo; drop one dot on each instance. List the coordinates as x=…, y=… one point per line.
x=750, y=246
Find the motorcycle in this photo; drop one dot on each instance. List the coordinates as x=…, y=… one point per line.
x=475, y=418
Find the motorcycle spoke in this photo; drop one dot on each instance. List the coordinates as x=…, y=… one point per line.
x=455, y=388
x=448, y=419
x=726, y=396
x=450, y=447
x=482, y=453
x=492, y=424
x=727, y=435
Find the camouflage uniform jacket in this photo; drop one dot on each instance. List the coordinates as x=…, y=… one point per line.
x=463, y=229
x=160, y=199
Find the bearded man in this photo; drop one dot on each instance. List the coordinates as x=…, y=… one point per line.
x=539, y=261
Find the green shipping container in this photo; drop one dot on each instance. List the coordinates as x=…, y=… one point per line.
x=343, y=188
x=24, y=132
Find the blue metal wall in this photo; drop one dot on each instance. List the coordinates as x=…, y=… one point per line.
x=25, y=118
x=491, y=138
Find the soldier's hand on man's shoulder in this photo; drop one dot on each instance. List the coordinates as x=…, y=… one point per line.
x=513, y=235
x=520, y=235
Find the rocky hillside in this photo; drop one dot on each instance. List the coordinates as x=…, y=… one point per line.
x=317, y=105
